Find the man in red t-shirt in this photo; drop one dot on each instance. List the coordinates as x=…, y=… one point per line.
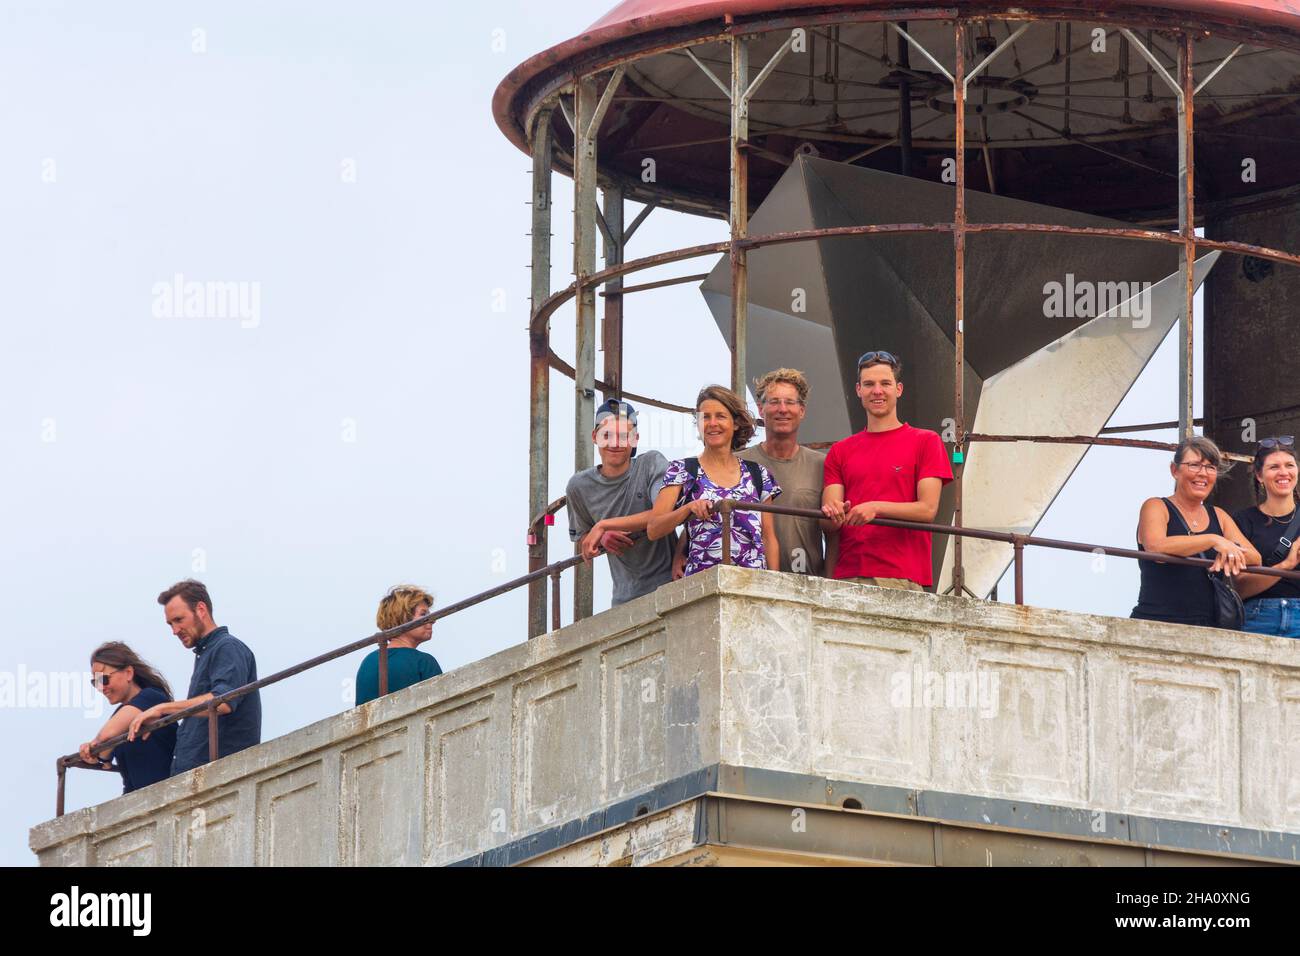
x=888, y=470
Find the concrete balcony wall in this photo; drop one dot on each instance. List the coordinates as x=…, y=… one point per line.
x=744, y=669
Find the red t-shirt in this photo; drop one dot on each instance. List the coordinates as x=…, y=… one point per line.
x=885, y=466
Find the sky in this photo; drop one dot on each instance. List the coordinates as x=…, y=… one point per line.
x=356, y=415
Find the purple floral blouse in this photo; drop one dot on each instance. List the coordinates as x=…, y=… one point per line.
x=704, y=538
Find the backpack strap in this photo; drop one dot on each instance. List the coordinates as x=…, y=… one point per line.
x=692, y=469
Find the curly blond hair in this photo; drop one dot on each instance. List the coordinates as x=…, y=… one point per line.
x=400, y=604
x=785, y=376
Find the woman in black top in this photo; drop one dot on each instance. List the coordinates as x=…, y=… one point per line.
x=1272, y=604
x=126, y=680
x=1184, y=526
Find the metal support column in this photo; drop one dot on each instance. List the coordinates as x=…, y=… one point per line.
x=539, y=394
x=1187, y=228
x=904, y=105
x=959, y=300
x=612, y=329
x=589, y=112
x=584, y=264
x=1185, y=92
x=739, y=210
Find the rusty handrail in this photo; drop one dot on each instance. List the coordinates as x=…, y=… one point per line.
x=1017, y=541
x=1096, y=440
x=380, y=637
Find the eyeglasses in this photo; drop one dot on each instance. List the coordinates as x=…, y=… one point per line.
x=872, y=358
x=783, y=402
x=1203, y=466
x=101, y=679
x=1281, y=441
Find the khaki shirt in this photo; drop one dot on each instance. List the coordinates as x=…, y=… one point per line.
x=800, y=479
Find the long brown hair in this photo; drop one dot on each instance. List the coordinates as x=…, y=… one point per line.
x=117, y=654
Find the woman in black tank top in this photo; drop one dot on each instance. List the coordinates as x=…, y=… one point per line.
x=1185, y=526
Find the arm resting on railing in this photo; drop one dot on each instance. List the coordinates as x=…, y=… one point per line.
x=666, y=517
x=170, y=707
x=1253, y=585
x=923, y=509
x=1233, y=552
x=592, y=542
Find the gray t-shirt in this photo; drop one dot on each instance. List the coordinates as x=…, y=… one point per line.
x=593, y=497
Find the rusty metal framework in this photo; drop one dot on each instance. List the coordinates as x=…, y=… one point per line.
x=736, y=96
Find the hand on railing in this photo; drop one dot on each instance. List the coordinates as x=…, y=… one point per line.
x=89, y=760
x=701, y=509
x=598, y=541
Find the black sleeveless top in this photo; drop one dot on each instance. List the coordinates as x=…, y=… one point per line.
x=1173, y=592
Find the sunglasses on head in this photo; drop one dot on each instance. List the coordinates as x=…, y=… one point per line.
x=1281, y=441
x=873, y=358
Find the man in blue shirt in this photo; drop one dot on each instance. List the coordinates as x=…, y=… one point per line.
x=223, y=663
x=406, y=665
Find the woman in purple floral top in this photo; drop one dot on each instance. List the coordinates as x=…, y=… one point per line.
x=725, y=426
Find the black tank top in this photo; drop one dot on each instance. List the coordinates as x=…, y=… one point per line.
x=1173, y=592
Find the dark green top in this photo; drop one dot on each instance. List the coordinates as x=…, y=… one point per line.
x=406, y=666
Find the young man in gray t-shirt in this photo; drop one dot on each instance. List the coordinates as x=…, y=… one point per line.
x=609, y=506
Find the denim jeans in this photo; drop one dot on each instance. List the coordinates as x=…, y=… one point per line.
x=1279, y=617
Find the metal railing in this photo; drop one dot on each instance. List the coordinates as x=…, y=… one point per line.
x=1017, y=541
x=381, y=638
x=724, y=510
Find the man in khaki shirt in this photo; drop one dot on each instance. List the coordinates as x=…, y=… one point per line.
x=782, y=398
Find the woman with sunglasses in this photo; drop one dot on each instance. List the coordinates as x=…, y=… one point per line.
x=1184, y=526
x=127, y=681
x=1273, y=527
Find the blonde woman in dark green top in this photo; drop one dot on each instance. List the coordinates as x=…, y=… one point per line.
x=406, y=664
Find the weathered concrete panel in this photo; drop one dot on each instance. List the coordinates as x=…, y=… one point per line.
x=549, y=759
x=291, y=815
x=375, y=830
x=859, y=673
x=1289, y=764
x=205, y=834
x=866, y=694
x=1029, y=723
x=465, y=798
x=634, y=700
x=1182, y=750
x=134, y=847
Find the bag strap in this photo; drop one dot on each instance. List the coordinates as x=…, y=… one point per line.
x=1173, y=508
x=1288, y=538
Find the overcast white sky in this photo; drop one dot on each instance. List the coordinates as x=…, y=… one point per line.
x=369, y=426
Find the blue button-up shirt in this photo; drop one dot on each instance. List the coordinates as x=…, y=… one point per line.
x=222, y=664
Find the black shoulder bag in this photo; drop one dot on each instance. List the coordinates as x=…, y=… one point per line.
x=1229, y=611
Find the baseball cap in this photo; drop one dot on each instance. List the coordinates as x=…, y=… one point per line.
x=616, y=408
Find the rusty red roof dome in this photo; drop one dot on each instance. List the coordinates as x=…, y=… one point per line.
x=1038, y=116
